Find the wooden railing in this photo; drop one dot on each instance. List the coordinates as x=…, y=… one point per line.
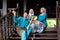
x=5, y=25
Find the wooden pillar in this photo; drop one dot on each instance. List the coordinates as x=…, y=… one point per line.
x=25, y=2
x=57, y=13
x=4, y=7
x=17, y=8
x=58, y=20
x=4, y=12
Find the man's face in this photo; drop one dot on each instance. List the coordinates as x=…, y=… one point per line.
x=25, y=15
x=42, y=10
x=13, y=11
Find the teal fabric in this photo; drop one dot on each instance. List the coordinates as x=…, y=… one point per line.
x=21, y=22
x=42, y=18
x=25, y=34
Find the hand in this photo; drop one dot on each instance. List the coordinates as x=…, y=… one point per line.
x=30, y=21
x=35, y=22
x=34, y=30
x=14, y=13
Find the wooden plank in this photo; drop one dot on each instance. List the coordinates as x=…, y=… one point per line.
x=45, y=38
x=35, y=38
x=58, y=17
x=40, y=34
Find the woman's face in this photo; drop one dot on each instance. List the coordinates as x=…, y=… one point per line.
x=31, y=11
x=42, y=10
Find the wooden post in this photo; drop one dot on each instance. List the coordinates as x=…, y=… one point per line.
x=25, y=5
x=4, y=7
x=57, y=13
x=4, y=10
x=57, y=16
x=3, y=30
x=0, y=31
x=6, y=28
x=18, y=9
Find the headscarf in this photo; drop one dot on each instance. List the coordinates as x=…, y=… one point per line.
x=44, y=11
x=32, y=12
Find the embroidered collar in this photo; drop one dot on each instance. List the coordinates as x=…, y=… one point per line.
x=31, y=14
x=42, y=14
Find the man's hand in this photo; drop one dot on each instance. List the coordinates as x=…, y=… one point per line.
x=14, y=13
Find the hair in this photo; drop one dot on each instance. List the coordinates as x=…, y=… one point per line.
x=44, y=9
x=25, y=11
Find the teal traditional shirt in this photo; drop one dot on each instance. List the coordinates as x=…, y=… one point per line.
x=21, y=21
x=42, y=18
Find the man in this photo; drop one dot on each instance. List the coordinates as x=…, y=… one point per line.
x=22, y=23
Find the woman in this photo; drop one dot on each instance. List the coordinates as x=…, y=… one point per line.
x=42, y=17
x=31, y=13
x=40, y=24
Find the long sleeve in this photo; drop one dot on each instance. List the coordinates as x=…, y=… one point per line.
x=15, y=19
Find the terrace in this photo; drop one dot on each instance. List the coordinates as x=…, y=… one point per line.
x=7, y=27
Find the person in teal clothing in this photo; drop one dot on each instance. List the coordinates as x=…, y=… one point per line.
x=40, y=24
x=42, y=17
x=22, y=23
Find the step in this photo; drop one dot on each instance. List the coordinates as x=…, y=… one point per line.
x=40, y=34
x=51, y=30
x=48, y=30
x=49, y=34
x=46, y=35
x=45, y=38
x=34, y=38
